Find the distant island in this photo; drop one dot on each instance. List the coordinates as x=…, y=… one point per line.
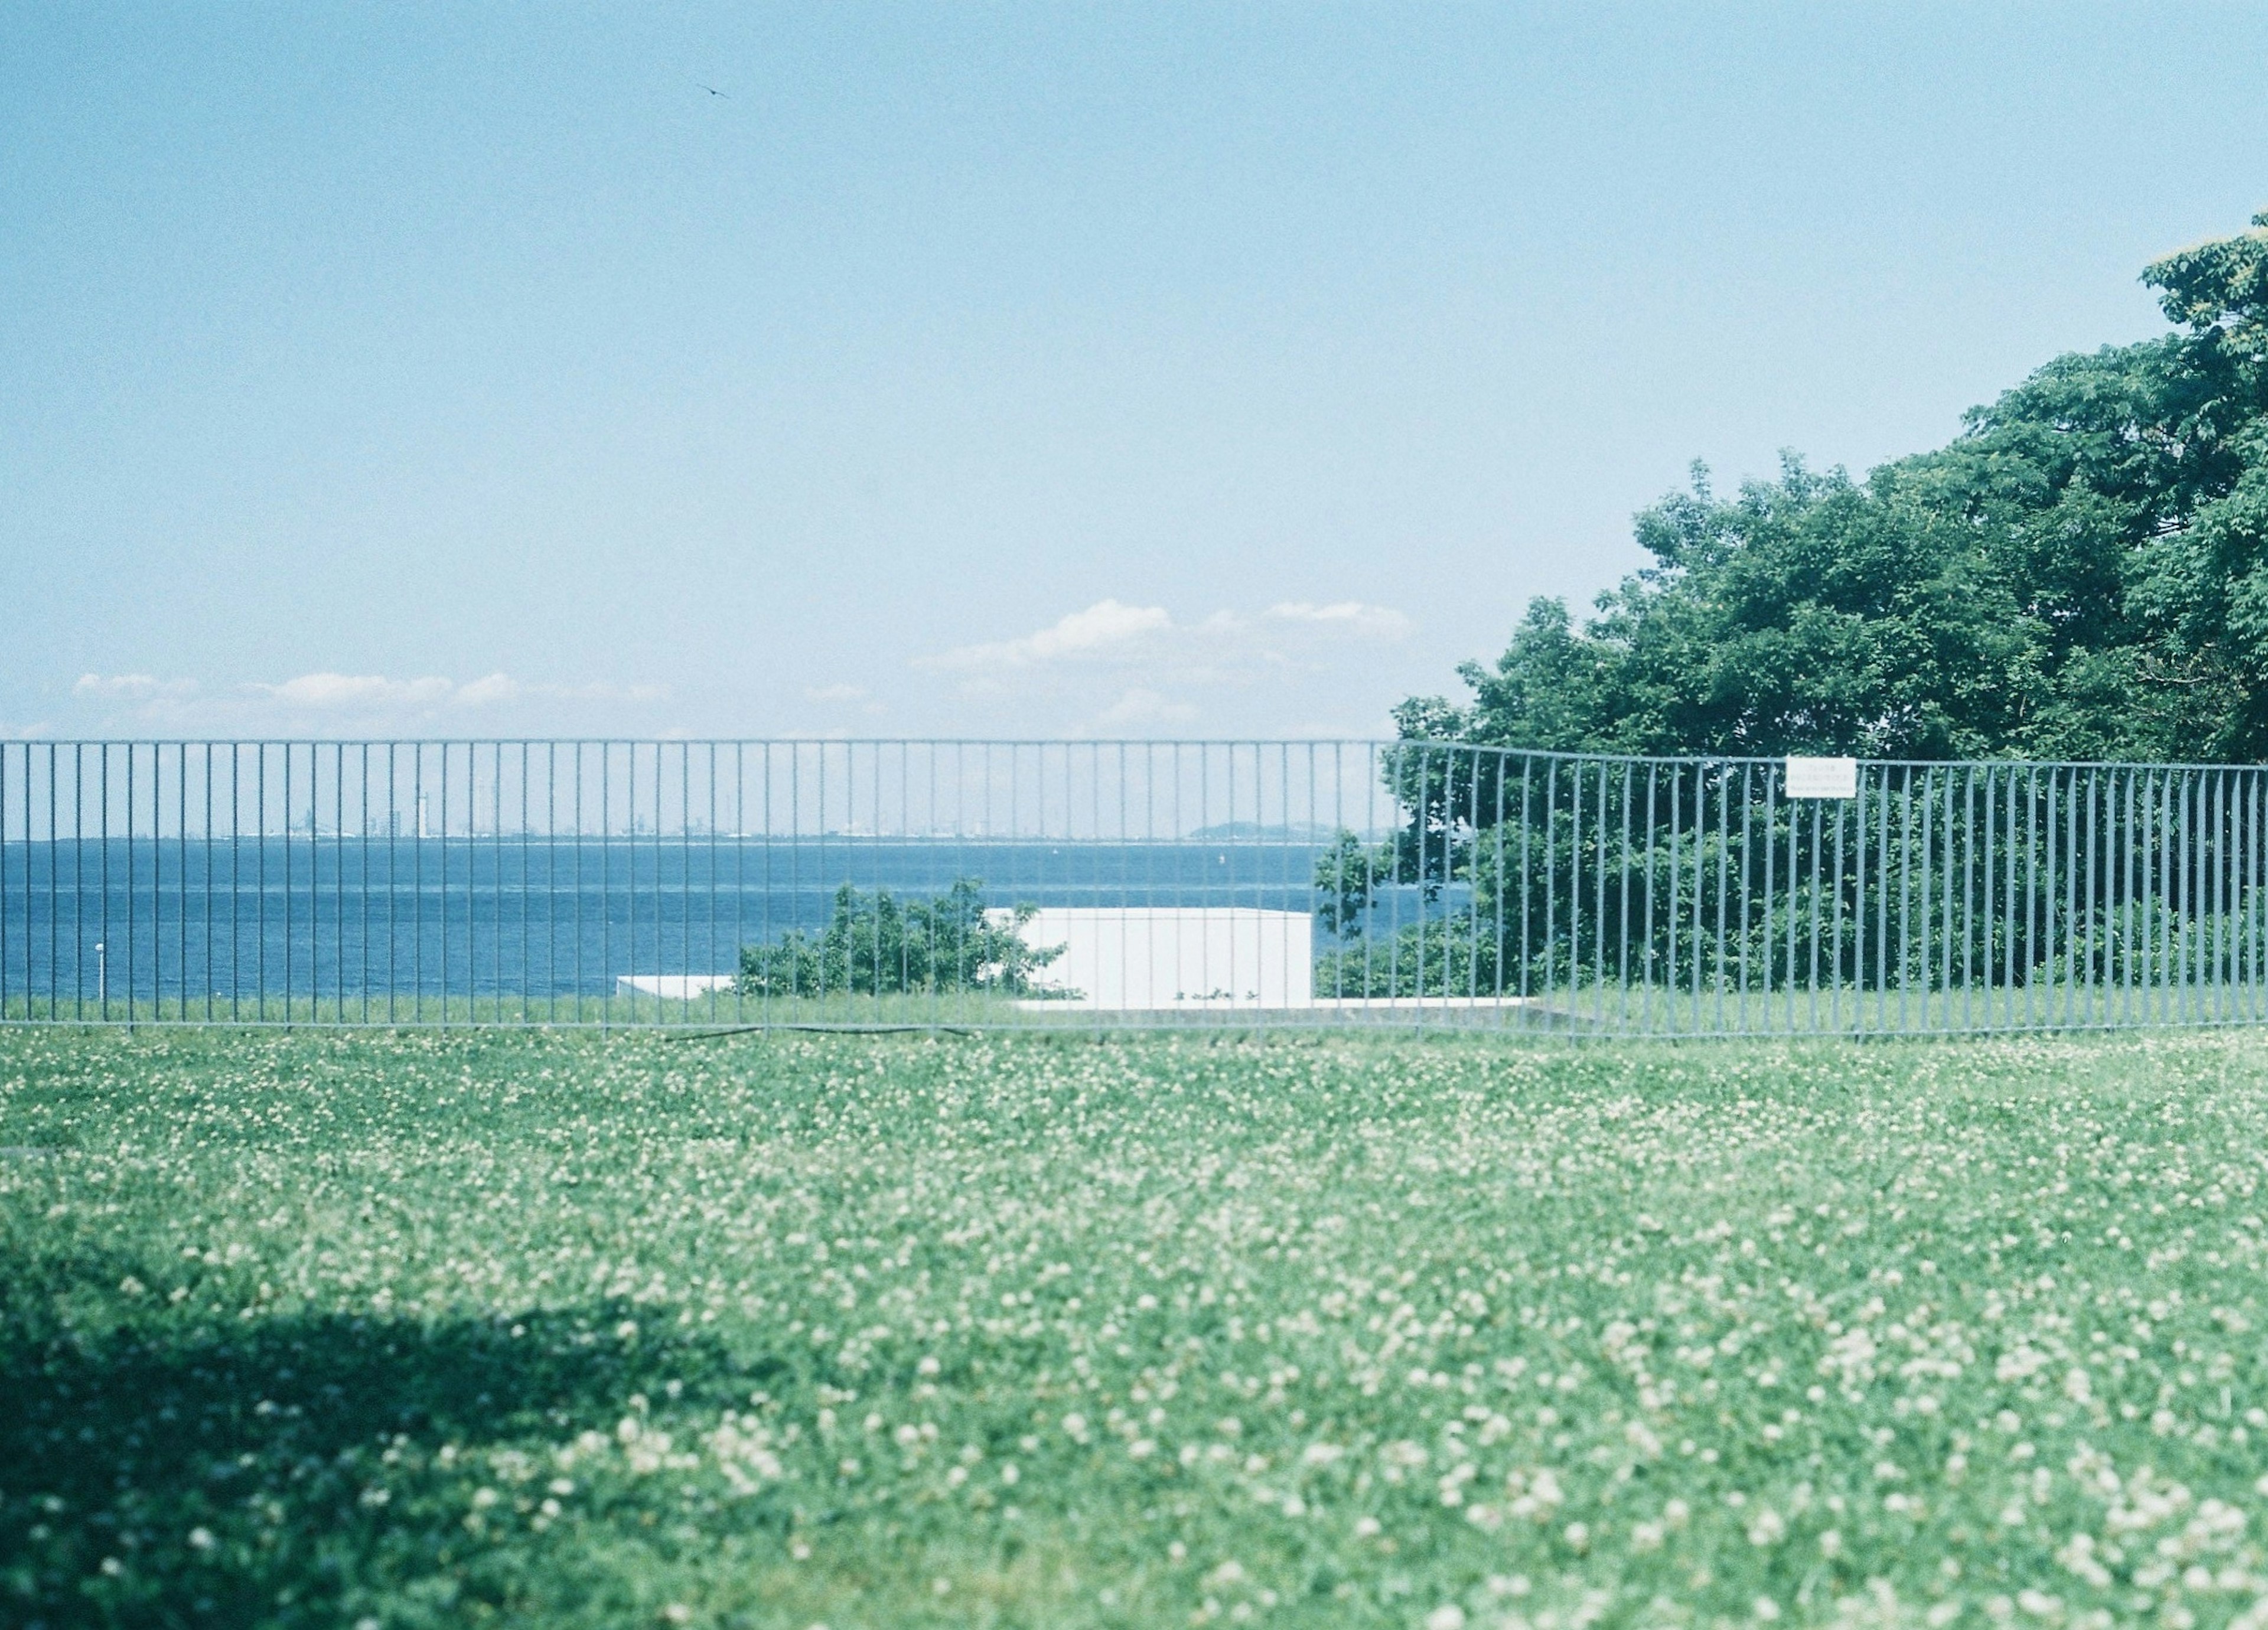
x=1253, y=832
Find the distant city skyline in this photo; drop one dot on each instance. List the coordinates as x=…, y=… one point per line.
x=889, y=371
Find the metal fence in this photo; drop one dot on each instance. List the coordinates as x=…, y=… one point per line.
x=984, y=883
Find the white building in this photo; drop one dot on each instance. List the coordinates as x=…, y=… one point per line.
x=1148, y=960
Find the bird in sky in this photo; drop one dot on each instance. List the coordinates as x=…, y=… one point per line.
x=712, y=90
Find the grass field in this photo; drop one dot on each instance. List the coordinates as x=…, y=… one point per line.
x=391, y=1330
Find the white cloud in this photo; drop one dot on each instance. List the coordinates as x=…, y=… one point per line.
x=348, y=701
x=494, y=689
x=1113, y=633
x=1142, y=706
x=1105, y=629
x=355, y=693
x=1116, y=667
x=328, y=692
x=131, y=687
x=598, y=692
x=1370, y=622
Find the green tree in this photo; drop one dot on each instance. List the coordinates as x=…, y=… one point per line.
x=2082, y=572
x=875, y=944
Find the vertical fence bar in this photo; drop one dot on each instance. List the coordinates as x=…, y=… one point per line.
x=2158, y=967
x=2070, y=936
x=1577, y=776
x=286, y=836
x=2185, y=899
x=362, y=848
x=180, y=882
x=1599, y=906
x=2092, y=894
x=606, y=884
x=1623, y=896
x=1673, y=909
x=1945, y=905
x=2209, y=913
x=2185, y=911
x=2189, y=911
x=2157, y=921
x=102, y=882
x=1882, y=876
x=1526, y=895
x=1747, y=810
x=1550, y=880
x=577, y=1008
x=2201, y=897
x=1905, y=812
x=2187, y=914
x=1862, y=895
x=2217, y=829
x=2140, y=915
x=1970, y=899
x=631, y=822
x=741, y=876
x=1795, y=885
x=1835, y=915
x=2253, y=892
x=3, y=882
x=133, y=941
x=25, y=794
x=1999, y=914
x=1811, y=982
x=2126, y=883
x=1722, y=777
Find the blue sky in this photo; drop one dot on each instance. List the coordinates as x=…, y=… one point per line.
x=1009, y=370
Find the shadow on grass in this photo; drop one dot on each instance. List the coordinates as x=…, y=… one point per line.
x=178, y=1467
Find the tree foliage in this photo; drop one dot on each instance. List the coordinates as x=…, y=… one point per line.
x=878, y=944
x=2082, y=573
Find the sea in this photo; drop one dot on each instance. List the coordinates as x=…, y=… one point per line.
x=333, y=917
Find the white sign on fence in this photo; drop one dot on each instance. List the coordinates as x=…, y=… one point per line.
x=1822, y=777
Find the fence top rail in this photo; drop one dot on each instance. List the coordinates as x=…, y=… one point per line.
x=1774, y=760
x=1286, y=744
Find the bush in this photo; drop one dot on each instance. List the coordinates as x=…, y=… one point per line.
x=875, y=944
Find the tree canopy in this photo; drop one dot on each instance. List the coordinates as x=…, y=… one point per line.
x=2082, y=573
